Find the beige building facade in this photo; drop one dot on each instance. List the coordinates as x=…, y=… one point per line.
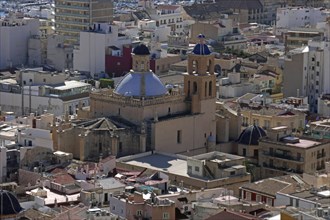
x=282, y=153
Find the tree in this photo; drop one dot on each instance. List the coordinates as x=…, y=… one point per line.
x=106, y=83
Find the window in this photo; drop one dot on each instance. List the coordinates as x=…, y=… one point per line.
x=232, y=173
x=30, y=80
x=197, y=169
x=166, y=215
x=44, y=80
x=189, y=169
x=248, y=196
x=255, y=153
x=120, y=147
x=258, y=199
x=139, y=212
x=269, y=202
x=210, y=88
x=188, y=88
x=256, y=122
x=113, y=207
x=179, y=136
x=100, y=147
x=244, y=152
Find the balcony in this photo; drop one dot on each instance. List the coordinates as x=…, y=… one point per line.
x=72, y=7
x=284, y=156
x=71, y=15
x=285, y=169
x=320, y=155
x=72, y=22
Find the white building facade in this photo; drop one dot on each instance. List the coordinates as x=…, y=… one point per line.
x=36, y=92
x=3, y=163
x=90, y=56
x=14, y=36
x=296, y=17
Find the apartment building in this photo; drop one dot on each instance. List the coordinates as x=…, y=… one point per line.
x=283, y=153
x=95, y=44
x=298, y=17
x=323, y=105
x=297, y=37
x=36, y=91
x=14, y=37
x=167, y=15
x=73, y=16
x=307, y=69
x=134, y=206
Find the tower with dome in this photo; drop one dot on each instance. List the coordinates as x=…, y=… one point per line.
x=176, y=121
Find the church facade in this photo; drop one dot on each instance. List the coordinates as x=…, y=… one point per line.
x=175, y=121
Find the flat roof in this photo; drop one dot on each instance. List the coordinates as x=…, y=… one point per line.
x=163, y=163
x=71, y=85
x=303, y=143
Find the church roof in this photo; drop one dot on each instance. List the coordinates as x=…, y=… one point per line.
x=141, y=49
x=201, y=48
x=251, y=135
x=141, y=85
x=9, y=204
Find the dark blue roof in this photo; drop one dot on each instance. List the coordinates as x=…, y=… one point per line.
x=9, y=204
x=201, y=49
x=251, y=135
x=141, y=50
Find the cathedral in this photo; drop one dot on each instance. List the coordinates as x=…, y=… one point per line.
x=173, y=121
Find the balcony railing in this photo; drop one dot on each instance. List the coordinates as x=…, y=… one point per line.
x=71, y=15
x=320, y=155
x=72, y=7
x=283, y=156
x=286, y=169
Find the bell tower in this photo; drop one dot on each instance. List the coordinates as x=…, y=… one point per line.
x=200, y=81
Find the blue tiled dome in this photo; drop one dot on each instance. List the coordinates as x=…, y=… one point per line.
x=9, y=204
x=132, y=85
x=251, y=135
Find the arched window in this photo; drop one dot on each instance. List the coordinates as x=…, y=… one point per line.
x=188, y=87
x=209, y=66
x=194, y=87
x=210, y=88
x=217, y=69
